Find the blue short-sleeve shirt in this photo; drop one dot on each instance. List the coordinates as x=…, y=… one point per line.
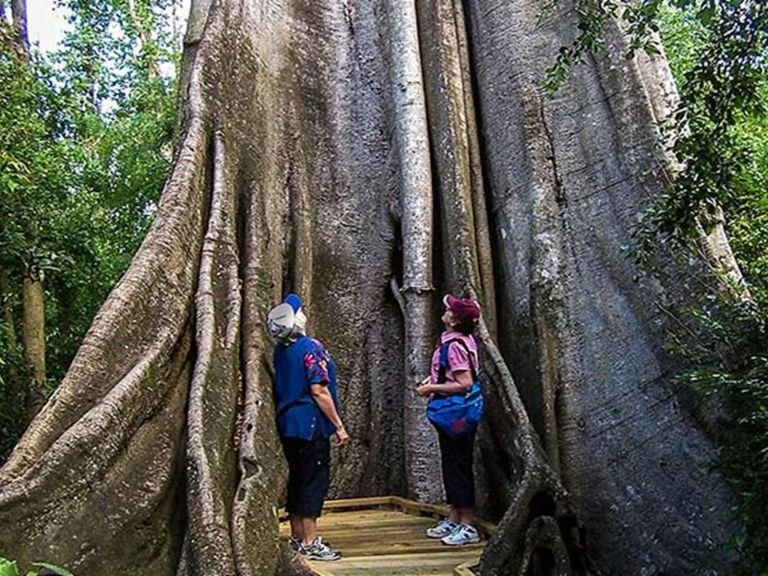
x=297, y=366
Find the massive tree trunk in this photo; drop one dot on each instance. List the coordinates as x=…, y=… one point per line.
x=323, y=150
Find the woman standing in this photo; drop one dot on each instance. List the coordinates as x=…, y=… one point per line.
x=454, y=371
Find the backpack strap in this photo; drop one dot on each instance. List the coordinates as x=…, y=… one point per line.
x=443, y=366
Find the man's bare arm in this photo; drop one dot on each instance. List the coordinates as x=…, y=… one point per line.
x=325, y=402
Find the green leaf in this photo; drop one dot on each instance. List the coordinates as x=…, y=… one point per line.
x=53, y=568
x=8, y=568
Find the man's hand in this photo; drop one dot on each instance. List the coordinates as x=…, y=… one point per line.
x=342, y=436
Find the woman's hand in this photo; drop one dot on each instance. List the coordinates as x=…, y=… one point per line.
x=342, y=436
x=425, y=389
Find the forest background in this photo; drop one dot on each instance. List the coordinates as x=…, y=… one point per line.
x=86, y=143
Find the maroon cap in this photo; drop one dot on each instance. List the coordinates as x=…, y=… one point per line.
x=464, y=309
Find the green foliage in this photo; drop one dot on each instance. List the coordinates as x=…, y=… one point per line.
x=723, y=93
x=85, y=146
x=34, y=178
x=9, y=568
x=13, y=370
x=51, y=568
x=737, y=378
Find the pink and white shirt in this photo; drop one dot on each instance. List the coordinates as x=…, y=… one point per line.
x=458, y=359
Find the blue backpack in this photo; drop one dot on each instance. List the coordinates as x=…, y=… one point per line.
x=458, y=414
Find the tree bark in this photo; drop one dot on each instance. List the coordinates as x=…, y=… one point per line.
x=415, y=213
x=33, y=337
x=19, y=15
x=143, y=35
x=569, y=177
x=320, y=151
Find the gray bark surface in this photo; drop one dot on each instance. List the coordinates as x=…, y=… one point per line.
x=569, y=178
x=321, y=151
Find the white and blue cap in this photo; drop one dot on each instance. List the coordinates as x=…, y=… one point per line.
x=287, y=318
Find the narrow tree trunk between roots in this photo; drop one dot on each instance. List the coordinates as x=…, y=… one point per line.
x=144, y=40
x=372, y=155
x=33, y=337
x=19, y=14
x=415, y=214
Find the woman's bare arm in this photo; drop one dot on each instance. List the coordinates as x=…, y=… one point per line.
x=461, y=386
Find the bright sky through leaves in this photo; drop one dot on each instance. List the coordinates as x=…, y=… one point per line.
x=47, y=22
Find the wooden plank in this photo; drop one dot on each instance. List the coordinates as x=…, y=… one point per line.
x=465, y=568
x=333, y=506
x=361, y=536
x=413, y=531
x=448, y=556
x=444, y=563
x=372, y=548
x=353, y=503
x=373, y=518
x=373, y=524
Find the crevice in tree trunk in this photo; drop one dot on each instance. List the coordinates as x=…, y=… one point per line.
x=479, y=199
x=298, y=259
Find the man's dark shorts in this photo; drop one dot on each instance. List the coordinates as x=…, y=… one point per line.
x=309, y=473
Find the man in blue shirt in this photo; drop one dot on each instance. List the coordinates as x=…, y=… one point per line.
x=307, y=415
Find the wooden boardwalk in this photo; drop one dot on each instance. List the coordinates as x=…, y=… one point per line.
x=385, y=536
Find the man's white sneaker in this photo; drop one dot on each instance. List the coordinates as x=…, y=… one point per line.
x=443, y=528
x=461, y=535
x=319, y=550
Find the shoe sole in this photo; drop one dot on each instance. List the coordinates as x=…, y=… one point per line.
x=321, y=558
x=465, y=543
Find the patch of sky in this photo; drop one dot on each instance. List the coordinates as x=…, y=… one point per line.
x=47, y=24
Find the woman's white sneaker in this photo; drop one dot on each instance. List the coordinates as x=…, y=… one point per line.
x=443, y=529
x=461, y=535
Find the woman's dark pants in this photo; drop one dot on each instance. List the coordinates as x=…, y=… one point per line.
x=309, y=472
x=458, y=479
